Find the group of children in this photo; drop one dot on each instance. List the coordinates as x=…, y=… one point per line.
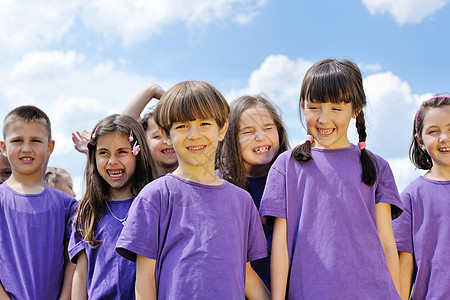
x=200, y=199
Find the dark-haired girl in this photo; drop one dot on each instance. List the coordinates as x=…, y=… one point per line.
x=331, y=201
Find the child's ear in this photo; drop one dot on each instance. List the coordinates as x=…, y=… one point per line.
x=420, y=142
x=51, y=146
x=165, y=136
x=223, y=130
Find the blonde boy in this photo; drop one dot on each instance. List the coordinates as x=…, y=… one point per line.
x=34, y=218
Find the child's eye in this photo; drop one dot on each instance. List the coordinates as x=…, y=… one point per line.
x=36, y=141
x=269, y=128
x=181, y=126
x=102, y=152
x=16, y=141
x=247, y=131
x=156, y=137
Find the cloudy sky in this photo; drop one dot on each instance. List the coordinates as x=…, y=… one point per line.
x=81, y=60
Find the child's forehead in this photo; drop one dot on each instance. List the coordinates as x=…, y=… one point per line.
x=27, y=128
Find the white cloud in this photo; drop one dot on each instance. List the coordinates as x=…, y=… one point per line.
x=29, y=23
x=33, y=23
x=405, y=11
x=369, y=67
x=46, y=64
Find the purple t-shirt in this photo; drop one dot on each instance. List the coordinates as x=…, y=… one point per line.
x=110, y=276
x=201, y=237
x=424, y=230
x=32, y=233
x=333, y=244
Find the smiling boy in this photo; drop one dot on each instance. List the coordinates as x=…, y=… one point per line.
x=34, y=218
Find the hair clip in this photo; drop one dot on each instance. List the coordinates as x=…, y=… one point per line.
x=131, y=138
x=361, y=145
x=94, y=135
x=136, y=149
x=309, y=138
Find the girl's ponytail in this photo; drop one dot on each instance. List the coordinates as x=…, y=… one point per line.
x=302, y=152
x=369, y=171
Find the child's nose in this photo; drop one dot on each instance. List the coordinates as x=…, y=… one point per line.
x=113, y=160
x=323, y=117
x=194, y=132
x=259, y=135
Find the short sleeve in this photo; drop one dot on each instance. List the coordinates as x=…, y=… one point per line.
x=257, y=243
x=70, y=210
x=402, y=226
x=273, y=202
x=386, y=191
x=140, y=233
x=76, y=245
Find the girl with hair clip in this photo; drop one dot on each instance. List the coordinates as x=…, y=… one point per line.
x=255, y=137
x=192, y=234
x=332, y=201
x=422, y=232
x=118, y=167
x=60, y=179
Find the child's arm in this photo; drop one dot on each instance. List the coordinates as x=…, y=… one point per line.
x=279, y=261
x=79, y=288
x=145, y=278
x=254, y=287
x=137, y=105
x=406, y=273
x=386, y=234
x=3, y=294
x=69, y=270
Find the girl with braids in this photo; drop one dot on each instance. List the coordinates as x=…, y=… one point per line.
x=117, y=168
x=332, y=202
x=422, y=232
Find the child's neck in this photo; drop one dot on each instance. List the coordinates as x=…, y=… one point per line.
x=200, y=174
x=120, y=194
x=439, y=173
x=26, y=184
x=256, y=171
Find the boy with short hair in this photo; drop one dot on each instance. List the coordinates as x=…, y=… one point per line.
x=34, y=218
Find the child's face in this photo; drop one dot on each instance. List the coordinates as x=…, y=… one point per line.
x=195, y=143
x=27, y=147
x=5, y=168
x=160, y=151
x=115, y=161
x=436, y=136
x=258, y=137
x=65, y=185
x=328, y=123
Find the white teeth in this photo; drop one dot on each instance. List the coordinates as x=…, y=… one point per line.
x=325, y=131
x=261, y=150
x=27, y=159
x=444, y=149
x=115, y=173
x=196, y=148
x=167, y=151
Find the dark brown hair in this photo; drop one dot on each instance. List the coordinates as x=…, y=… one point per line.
x=337, y=81
x=92, y=206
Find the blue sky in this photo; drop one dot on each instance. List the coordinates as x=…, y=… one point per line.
x=81, y=60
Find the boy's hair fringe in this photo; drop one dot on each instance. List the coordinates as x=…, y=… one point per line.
x=188, y=101
x=229, y=159
x=337, y=81
x=420, y=158
x=92, y=206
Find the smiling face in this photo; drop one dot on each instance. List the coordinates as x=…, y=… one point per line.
x=195, y=143
x=161, y=152
x=27, y=147
x=258, y=140
x=435, y=138
x=116, y=164
x=328, y=123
